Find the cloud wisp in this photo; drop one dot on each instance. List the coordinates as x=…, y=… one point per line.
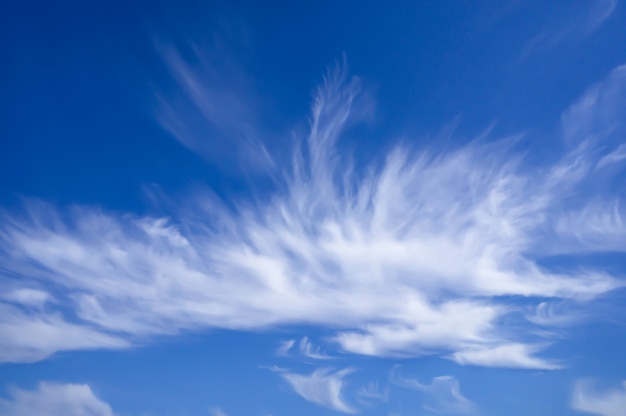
x=419, y=253
x=442, y=395
x=55, y=399
x=372, y=392
x=602, y=403
x=305, y=349
x=323, y=387
x=576, y=26
x=211, y=107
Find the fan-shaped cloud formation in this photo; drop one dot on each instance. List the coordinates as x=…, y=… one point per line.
x=418, y=254
x=322, y=387
x=372, y=392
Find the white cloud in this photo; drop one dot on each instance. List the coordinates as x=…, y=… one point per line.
x=53, y=399
x=409, y=257
x=27, y=336
x=323, y=387
x=507, y=355
x=27, y=297
x=603, y=403
x=443, y=394
x=599, y=225
x=305, y=348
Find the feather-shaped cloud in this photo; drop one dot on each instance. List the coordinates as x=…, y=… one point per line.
x=419, y=254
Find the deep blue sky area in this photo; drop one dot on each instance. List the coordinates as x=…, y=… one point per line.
x=273, y=208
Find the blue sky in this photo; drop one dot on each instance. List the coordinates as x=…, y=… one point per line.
x=277, y=208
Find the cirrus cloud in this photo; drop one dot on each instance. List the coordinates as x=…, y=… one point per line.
x=418, y=254
x=55, y=399
x=603, y=403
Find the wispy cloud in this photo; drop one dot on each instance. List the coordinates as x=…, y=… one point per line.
x=285, y=347
x=570, y=26
x=603, y=403
x=507, y=355
x=305, y=348
x=28, y=335
x=575, y=26
x=211, y=106
x=442, y=395
x=373, y=391
x=323, y=387
x=598, y=115
x=308, y=350
x=556, y=314
x=600, y=11
x=615, y=156
x=413, y=255
x=54, y=399
x=27, y=297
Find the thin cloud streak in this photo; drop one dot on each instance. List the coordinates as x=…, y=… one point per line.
x=409, y=257
x=211, y=107
x=506, y=355
x=576, y=28
x=285, y=347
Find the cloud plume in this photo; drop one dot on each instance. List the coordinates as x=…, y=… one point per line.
x=416, y=254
